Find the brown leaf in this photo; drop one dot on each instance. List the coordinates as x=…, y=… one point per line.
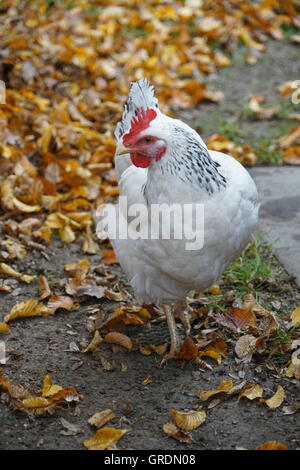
x=90, y=289
x=60, y=301
x=188, y=350
x=173, y=431
x=292, y=155
x=108, y=257
x=236, y=319
x=119, y=338
x=44, y=289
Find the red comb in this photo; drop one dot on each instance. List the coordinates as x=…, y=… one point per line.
x=139, y=124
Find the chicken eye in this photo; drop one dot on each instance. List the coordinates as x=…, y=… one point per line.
x=147, y=140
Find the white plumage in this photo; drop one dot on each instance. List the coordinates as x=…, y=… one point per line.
x=178, y=169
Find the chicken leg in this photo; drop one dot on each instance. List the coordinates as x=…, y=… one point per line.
x=175, y=341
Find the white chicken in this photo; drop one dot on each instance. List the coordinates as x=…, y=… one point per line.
x=160, y=160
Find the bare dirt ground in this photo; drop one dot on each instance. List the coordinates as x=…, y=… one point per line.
x=45, y=345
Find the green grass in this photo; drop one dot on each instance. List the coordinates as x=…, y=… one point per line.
x=229, y=129
x=277, y=352
x=288, y=31
x=266, y=153
x=251, y=270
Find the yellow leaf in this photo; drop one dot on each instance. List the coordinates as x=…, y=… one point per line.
x=147, y=380
x=25, y=207
x=7, y=271
x=35, y=402
x=26, y=308
x=7, y=192
x=276, y=400
x=97, y=339
x=48, y=389
x=4, y=328
x=189, y=420
x=224, y=387
x=89, y=245
x=295, y=317
x=104, y=438
x=212, y=353
x=252, y=391
x=45, y=139
x=245, y=36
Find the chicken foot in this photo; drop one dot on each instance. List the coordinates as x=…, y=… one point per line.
x=175, y=341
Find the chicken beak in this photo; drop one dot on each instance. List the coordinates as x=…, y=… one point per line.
x=124, y=150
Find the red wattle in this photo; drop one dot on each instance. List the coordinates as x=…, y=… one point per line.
x=140, y=160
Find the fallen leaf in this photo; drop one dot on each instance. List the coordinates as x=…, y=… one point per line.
x=173, y=431
x=189, y=420
x=32, y=404
x=147, y=349
x=119, y=338
x=261, y=112
x=26, y=308
x=292, y=155
x=188, y=350
x=104, y=438
x=97, y=339
x=116, y=296
x=295, y=317
x=213, y=354
x=236, y=318
x=147, y=380
x=4, y=328
x=44, y=289
x=60, y=301
x=224, y=387
x=276, y=400
x=48, y=389
x=70, y=428
x=251, y=392
x=272, y=445
x=291, y=139
x=90, y=289
x=245, y=345
x=25, y=207
x=250, y=304
x=108, y=257
x=7, y=271
x=101, y=418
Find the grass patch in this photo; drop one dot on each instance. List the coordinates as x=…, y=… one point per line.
x=267, y=153
x=251, y=270
x=229, y=129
